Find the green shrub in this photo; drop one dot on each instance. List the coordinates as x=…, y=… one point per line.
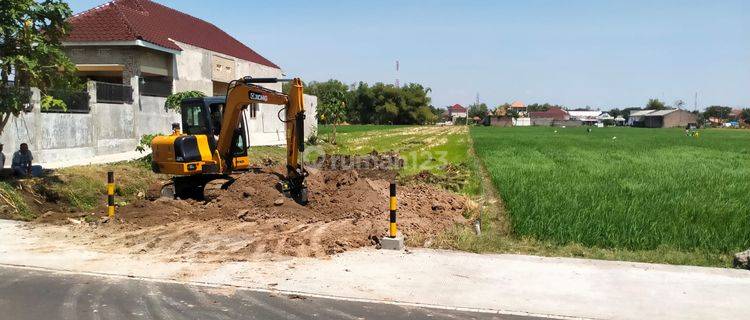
x=174, y=100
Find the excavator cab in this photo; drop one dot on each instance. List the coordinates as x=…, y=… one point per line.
x=203, y=116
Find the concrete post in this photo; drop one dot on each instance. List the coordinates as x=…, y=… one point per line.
x=93, y=111
x=36, y=113
x=137, y=109
x=91, y=88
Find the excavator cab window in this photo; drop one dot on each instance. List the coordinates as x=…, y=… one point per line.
x=216, y=110
x=202, y=117
x=194, y=120
x=199, y=117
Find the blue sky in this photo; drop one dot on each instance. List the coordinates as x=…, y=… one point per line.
x=576, y=53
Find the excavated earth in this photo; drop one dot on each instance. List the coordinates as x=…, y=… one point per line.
x=251, y=219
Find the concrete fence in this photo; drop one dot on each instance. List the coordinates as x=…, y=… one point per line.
x=75, y=137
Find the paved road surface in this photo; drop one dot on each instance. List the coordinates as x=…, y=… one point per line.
x=41, y=295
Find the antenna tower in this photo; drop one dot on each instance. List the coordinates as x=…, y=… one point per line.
x=398, y=84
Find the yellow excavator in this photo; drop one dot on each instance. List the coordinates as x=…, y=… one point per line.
x=212, y=144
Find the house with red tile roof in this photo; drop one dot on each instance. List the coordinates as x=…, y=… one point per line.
x=457, y=111
x=145, y=51
x=518, y=106
x=141, y=38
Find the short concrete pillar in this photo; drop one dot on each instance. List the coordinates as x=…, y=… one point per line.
x=396, y=243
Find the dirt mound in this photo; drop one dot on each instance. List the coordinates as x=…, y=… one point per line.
x=251, y=218
x=373, y=165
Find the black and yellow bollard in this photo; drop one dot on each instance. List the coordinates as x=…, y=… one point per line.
x=393, y=230
x=110, y=194
x=394, y=240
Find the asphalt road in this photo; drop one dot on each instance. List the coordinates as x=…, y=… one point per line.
x=41, y=295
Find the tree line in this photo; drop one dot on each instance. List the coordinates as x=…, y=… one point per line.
x=380, y=103
x=362, y=103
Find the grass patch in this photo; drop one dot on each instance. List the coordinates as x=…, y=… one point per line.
x=85, y=187
x=648, y=195
x=12, y=204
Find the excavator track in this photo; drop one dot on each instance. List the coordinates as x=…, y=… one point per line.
x=214, y=188
x=161, y=189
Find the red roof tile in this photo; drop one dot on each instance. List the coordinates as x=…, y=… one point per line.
x=457, y=108
x=554, y=113
x=129, y=20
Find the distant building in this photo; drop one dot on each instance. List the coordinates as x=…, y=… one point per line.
x=457, y=111
x=636, y=117
x=550, y=117
x=522, y=122
x=519, y=107
x=620, y=121
x=672, y=118
x=551, y=113
x=585, y=116
x=501, y=121
x=716, y=121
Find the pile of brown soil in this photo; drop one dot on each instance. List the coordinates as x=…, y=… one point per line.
x=252, y=219
x=373, y=165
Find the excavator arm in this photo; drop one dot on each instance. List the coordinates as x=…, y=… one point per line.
x=246, y=92
x=295, y=140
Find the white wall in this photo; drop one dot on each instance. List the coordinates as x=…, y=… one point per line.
x=311, y=110
x=522, y=122
x=455, y=115
x=70, y=137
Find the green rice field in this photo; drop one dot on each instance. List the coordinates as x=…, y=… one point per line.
x=623, y=188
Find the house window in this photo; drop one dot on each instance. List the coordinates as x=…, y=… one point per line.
x=220, y=88
x=155, y=86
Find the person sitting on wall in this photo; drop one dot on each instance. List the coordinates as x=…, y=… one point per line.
x=21, y=164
